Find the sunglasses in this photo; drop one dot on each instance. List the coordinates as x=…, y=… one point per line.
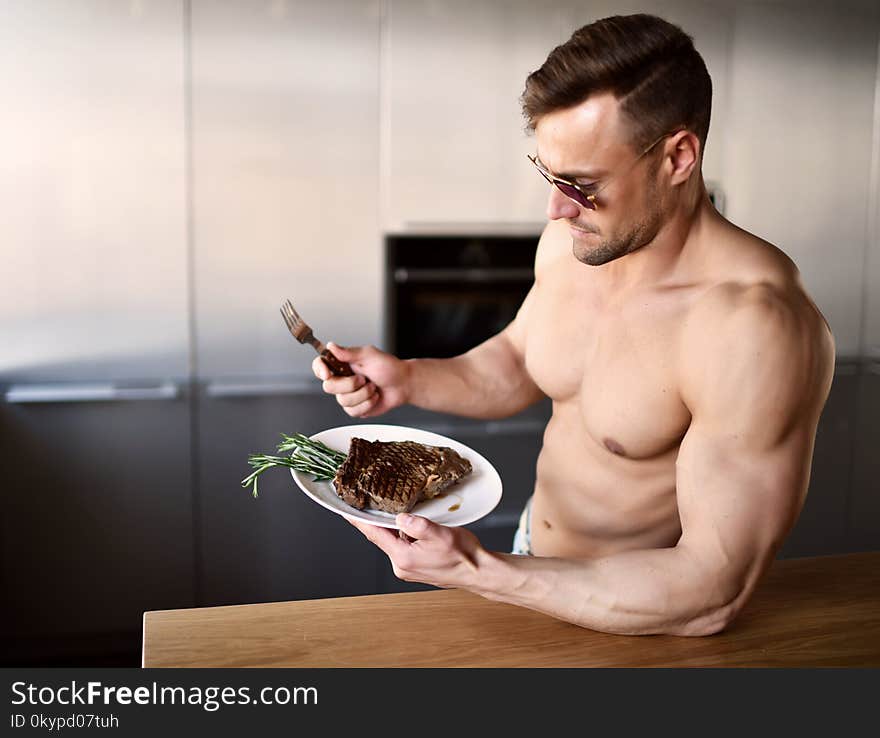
x=584, y=195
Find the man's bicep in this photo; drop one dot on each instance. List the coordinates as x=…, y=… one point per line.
x=743, y=466
x=737, y=500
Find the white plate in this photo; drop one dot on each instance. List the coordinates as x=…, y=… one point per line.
x=475, y=496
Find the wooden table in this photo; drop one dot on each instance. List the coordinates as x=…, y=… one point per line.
x=807, y=612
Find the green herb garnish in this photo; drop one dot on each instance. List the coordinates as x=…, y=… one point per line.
x=306, y=455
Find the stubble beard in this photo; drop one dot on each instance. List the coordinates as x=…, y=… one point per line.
x=609, y=249
x=639, y=234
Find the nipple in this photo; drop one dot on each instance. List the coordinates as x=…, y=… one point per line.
x=614, y=447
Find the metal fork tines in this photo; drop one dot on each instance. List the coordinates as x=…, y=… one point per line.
x=303, y=333
x=298, y=327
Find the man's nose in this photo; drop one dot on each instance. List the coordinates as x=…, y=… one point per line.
x=561, y=206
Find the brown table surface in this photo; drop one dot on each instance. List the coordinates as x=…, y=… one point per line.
x=807, y=612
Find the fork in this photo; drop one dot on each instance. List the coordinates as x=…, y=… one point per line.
x=302, y=333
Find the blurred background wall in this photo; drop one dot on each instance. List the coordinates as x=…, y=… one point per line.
x=171, y=170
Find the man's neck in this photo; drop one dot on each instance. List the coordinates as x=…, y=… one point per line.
x=660, y=261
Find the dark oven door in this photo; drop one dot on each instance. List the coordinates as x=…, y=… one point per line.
x=442, y=313
x=447, y=294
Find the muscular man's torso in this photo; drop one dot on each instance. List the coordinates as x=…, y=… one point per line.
x=610, y=360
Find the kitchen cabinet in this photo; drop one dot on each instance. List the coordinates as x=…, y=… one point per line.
x=97, y=517
x=871, y=284
x=871, y=334
x=284, y=126
x=864, y=510
x=97, y=520
x=796, y=161
x=453, y=145
x=281, y=545
x=93, y=188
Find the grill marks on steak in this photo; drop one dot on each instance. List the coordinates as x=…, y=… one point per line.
x=394, y=475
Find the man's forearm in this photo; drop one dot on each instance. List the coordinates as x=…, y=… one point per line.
x=635, y=593
x=487, y=382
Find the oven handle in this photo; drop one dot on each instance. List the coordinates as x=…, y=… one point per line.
x=472, y=276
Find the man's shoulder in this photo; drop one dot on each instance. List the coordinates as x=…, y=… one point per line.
x=753, y=314
x=765, y=333
x=736, y=305
x=751, y=284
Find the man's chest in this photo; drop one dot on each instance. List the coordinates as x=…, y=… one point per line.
x=614, y=368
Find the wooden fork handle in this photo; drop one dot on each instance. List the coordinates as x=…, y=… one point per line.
x=337, y=367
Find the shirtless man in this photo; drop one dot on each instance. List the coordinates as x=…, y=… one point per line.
x=686, y=364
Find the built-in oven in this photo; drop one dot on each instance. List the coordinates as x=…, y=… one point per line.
x=446, y=294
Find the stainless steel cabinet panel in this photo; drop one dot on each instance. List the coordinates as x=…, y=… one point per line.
x=454, y=150
x=282, y=545
x=97, y=516
x=92, y=184
x=871, y=328
x=864, y=519
x=285, y=131
x=871, y=332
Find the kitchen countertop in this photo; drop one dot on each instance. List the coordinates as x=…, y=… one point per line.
x=821, y=611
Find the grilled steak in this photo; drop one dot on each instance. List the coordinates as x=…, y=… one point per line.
x=393, y=476
x=345, y=480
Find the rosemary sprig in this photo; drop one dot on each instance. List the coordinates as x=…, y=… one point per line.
x=306, y=455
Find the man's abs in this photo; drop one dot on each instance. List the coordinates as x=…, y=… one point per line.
x=591, y=502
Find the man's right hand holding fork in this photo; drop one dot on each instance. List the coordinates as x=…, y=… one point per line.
x=380, y=382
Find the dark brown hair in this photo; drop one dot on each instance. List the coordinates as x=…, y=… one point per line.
x=649, y=64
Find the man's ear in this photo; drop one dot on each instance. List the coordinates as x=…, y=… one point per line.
x=682, y=155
